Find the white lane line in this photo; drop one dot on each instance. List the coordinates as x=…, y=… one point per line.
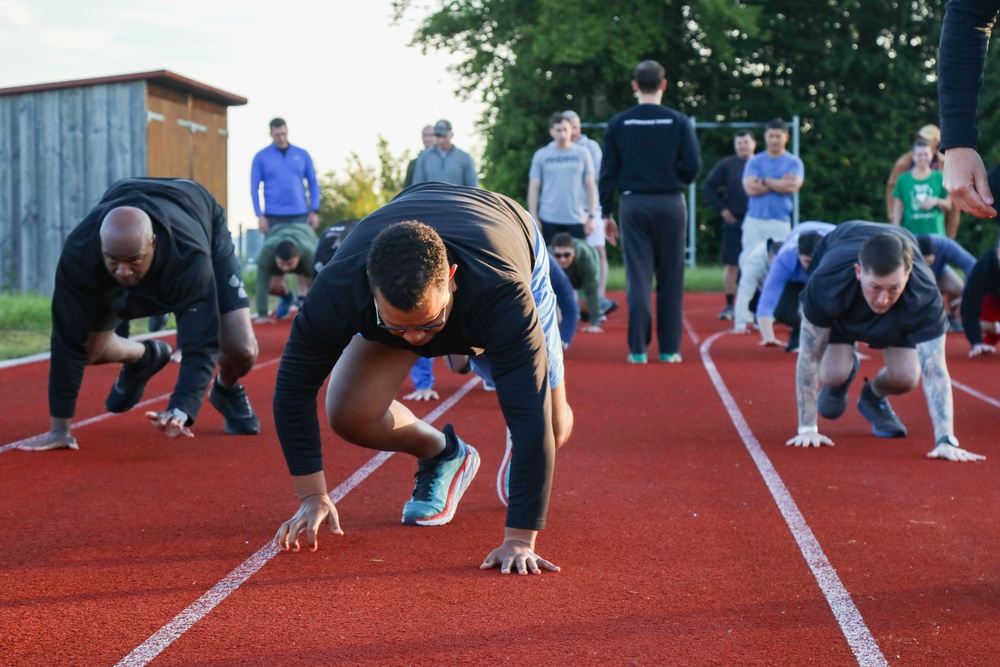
x=197, y=610
x=859, y=638
x=44, y=356
x=972, y=392
x=109, y=415
x=690, y=330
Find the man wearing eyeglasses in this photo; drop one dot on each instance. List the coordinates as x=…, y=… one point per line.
x=580, y=263
x=442, y=269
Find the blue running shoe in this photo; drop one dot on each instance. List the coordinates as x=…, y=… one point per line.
x=284, y=306
x=674, y=358
x=439, y=485
x=885, y=423
x=636, y=358
x=503, y=476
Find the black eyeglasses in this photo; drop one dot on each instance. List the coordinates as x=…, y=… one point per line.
x=423, y=327
x=562, y=255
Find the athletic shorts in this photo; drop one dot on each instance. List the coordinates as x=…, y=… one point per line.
x=545, y=302
x=840, y=337
x=732, y=242
x=597, y=238
x=550, y=229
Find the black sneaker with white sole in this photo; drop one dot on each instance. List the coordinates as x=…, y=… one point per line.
x=131, y=381
x=234, y=405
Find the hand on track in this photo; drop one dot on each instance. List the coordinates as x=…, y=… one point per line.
x=313, y=512
x=49, y=441
x=980, y=349
x=169, y=423
x=513, y=553
x=947, y=452
x=811, y=440
x=422, y=395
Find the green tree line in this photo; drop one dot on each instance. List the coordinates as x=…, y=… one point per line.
x=860, y=75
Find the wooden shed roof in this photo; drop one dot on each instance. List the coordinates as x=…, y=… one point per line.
x=164, y=78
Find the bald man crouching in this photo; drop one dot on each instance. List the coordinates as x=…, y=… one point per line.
x=149, y=247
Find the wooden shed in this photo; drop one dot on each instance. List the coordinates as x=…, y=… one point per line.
x=62, y=144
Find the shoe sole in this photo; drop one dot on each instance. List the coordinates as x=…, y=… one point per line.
x=502, y=475
x=881, y=434
x=159, y=367
x=459, y=484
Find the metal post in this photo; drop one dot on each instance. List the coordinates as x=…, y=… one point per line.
x=795, y=150
x=692, y=223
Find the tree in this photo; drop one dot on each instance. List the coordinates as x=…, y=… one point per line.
x=860, y=75
x=360, y=189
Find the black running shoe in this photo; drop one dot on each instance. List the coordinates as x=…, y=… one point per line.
x=885, y=423
x=234, y=405
x=131, y=382
x=832, y=401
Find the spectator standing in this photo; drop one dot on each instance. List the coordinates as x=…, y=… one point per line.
x=445, y=163
x=284, y=170
x=727, y=175
x=596, y=238
x=919, y=200
x=771, y=178
x=932, y=135
x=561, y=173
x=427, y=135
x=650, y=155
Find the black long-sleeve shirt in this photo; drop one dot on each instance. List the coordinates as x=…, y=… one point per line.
x=728, y=175
x=491, y=240
x=965, y=37
x=649, y=148
x=191, y=231
x=984, y=279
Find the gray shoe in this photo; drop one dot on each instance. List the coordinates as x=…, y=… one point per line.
x=885, y=423
x=832, y=401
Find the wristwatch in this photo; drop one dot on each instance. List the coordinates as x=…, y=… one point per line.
x=947, y=440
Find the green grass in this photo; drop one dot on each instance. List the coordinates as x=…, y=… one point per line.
x=25, y=323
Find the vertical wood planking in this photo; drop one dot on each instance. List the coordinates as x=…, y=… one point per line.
x=119, y=133
x=137, y=112
x=95, y=143
x=7, y=274
x=72, y=163
x=26, y=214
x=48, y=179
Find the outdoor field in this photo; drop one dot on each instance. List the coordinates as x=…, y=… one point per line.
x=687, y=532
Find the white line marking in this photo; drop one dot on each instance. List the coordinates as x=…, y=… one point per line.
x=44, y=356
x=109, y=415
x=972, y=392
x=851, y=623
x=690, y=330
x=198, y=609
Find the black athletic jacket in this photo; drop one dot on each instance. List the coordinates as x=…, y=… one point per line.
x=965, y=37
x=491, y=239
x=190, y=229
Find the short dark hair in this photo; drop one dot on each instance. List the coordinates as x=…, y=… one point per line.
x=777, y=124
x=406, y=262
x=557, y=118
x=742, y=133
x=276, y=123
x=286, y=250
x=885, y=252
x=808, y=243
x=562, y=240
x=927, y=245
x=921, y=143
x=648, y=75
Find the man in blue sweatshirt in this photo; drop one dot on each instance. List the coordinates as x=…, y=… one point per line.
x=283, y=169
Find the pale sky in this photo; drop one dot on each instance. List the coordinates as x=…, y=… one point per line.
x=338, y=71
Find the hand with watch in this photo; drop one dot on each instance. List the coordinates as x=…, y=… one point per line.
x=809, y=436
x=173, y=422
x=947, y=448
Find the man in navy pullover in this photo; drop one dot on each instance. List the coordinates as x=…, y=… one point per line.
x=283, y=169
x=650, y=155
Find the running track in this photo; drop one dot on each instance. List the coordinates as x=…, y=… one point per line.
x=687, y=533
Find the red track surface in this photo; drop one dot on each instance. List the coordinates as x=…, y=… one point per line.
x=673, y=549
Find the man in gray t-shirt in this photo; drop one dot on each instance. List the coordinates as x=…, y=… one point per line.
x=445, y=162
x=565, y=169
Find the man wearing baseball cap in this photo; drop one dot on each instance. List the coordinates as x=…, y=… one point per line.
x=444, y=162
